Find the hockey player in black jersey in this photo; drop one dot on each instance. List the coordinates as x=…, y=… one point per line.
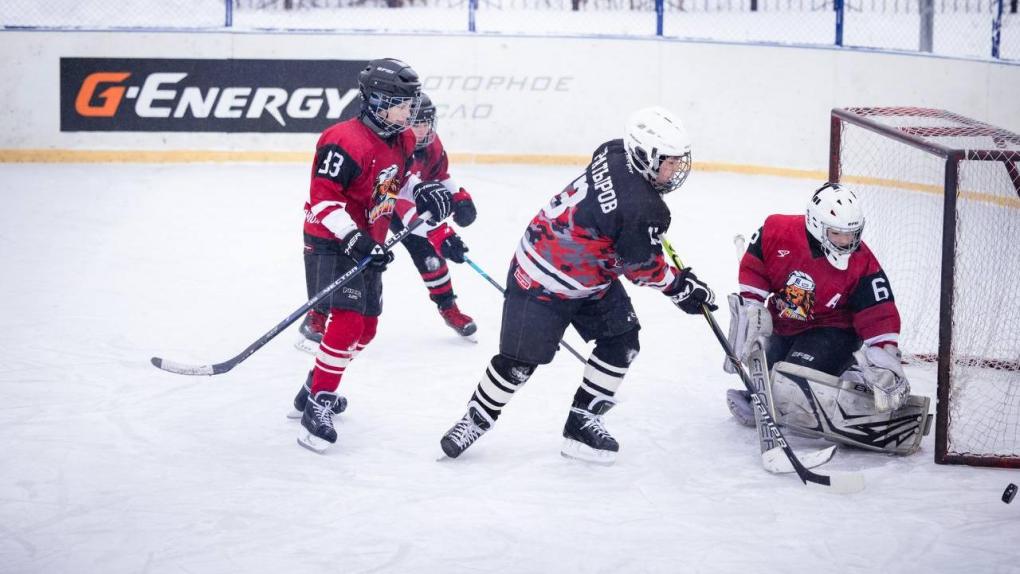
x=566, y=270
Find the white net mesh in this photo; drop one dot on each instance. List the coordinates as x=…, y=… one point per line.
x=902, y=189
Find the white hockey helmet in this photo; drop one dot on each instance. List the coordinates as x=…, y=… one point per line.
x=652, y=135
x=835, y=207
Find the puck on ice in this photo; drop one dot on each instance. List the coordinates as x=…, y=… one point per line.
x=1009, y=493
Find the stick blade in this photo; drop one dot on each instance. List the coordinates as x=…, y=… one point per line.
x=775, y=460
x=841, y=483
x=181, y=368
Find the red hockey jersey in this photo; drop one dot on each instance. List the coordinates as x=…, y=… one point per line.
x=785, y=265
x=357, y=178
x=431, y=163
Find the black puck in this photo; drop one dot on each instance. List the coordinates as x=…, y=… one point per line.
x=1009, y=493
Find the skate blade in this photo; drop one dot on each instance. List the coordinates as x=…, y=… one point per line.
x=313, y=443
x=472, y=338
x=294, y=415
x=580, y=451
x=306, y=345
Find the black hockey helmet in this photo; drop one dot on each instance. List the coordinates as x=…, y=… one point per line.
x=426, y=118
x=387, y=83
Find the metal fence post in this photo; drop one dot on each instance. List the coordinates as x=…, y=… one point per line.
x=997, y=30
x=926, y=38
x=837, y=5
x=658, y=16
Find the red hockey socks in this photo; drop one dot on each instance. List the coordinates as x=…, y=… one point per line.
x=340, y=343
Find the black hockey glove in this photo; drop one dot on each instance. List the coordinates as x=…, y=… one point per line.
x=357, y=245
x=433, y=197
x=453, y=248
x=689, y=293
x=464, y=212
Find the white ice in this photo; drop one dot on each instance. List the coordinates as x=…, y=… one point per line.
x=108, y=465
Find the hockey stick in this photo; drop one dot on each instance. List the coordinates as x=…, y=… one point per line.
x=501, y=290
x=219, y=368
x=841, y=483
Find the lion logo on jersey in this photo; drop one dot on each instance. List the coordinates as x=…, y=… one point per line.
x=384, y=194
x=796, y=300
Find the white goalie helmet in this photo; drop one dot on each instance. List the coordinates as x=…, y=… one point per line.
x=835, y=207
x=652, y=135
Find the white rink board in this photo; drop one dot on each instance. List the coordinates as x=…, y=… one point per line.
x=743, y=104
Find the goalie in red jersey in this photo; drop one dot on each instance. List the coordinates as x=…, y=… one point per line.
x=816, y=306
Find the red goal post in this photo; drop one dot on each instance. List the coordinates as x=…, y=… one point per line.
x=941, y=194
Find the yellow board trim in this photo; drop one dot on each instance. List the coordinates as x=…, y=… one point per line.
x=217, y=156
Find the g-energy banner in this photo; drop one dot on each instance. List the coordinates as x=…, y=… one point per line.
x=171, y=95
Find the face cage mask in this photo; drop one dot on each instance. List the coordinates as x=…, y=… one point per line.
x=833, y=248
x=430, y=136
x=678, y=178
x=377, y=106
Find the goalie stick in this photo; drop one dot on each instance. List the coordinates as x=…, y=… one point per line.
x=840, y=483
x=220, y=368
x=501, y=290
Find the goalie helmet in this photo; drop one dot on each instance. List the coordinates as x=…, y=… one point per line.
x=834, y=207
x=654, y=134
x=424, y=125
x=384, y=84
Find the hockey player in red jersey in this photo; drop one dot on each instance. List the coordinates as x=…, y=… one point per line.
x=815, y=302
x=429, y=249
x=359, y=182
x=566, y=271
x=430, y=254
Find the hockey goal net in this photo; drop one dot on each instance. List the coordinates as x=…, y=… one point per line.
x=941, y=194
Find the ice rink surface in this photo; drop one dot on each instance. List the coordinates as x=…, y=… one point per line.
x=108, y=465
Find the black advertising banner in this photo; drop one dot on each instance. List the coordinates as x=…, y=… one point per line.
x=171, y=95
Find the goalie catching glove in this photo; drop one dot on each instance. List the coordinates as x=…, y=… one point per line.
x=689, y=293
x=433, y=197
x=880, y=370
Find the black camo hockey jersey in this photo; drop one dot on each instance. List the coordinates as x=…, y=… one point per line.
x=605, y=224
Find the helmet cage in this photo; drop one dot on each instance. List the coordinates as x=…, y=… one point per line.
x=426, y=116
x=376, y=109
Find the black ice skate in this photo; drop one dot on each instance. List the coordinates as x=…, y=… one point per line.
x=459, y=322
x=463, y=434
x=585, y=436
x=317, y=431
x=302, y=397
x=311, y=330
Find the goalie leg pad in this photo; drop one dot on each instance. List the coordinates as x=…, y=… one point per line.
x=816, y=404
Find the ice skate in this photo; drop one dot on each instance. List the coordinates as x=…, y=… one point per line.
x=463, y=434
x=311, y=330
x=317, y=432
x=585, y=437
x=739, y=403
x=459, y=322
x=302, y=397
